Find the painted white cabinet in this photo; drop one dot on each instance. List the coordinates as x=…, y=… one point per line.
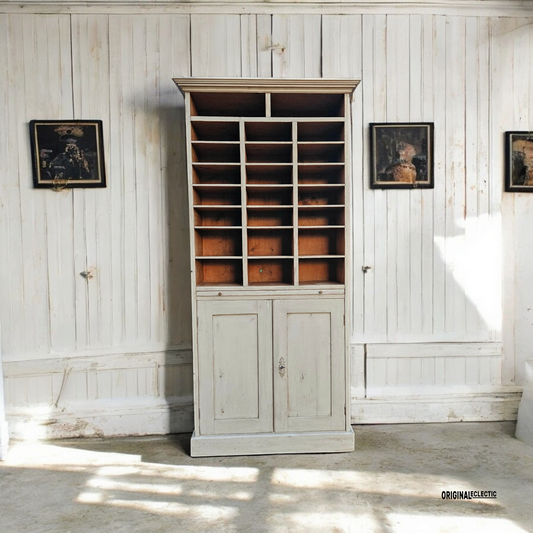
x=271, y=366
x=235, y=365
x=309, y=369
x=268, y=179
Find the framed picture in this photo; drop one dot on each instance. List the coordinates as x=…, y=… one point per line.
x=401, y=155
x=519, y=161
x=67, y=153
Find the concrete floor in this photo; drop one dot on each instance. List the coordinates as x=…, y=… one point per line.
x=391, y=483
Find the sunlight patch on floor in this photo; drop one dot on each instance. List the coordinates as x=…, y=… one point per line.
x=422, y=523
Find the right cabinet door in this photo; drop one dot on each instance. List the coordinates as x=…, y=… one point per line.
x=309, y=365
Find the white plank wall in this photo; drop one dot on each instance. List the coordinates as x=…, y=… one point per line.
x=435, y=255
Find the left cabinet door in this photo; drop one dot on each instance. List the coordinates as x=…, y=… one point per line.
x=235, y=366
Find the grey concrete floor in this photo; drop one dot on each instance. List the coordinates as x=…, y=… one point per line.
x=392, y=483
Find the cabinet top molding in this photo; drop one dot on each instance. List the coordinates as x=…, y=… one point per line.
x=271, y=85
x=448, y=7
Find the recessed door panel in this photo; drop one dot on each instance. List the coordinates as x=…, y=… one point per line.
x=235, y=361
x=309, y=371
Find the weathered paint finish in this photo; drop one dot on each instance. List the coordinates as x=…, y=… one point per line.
x=234, y=362
x=427, y=250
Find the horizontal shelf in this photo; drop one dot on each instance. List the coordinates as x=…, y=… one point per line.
x=321, y=256
x=320, y=131
x=321, y=270
x=216, y=257
x=331, y=226
x=218, y=242
x=321, y=174
x=271, y=270
x=228, y=104
x=215, y=131
x=269, y=186
x=321, y=206
x=258, y=218
x=256, y=206
x=307, y=105
x=268, y=131
x=260, y=228
x=321, y=282
x=219, y=270
x=267, y=152
x=321, y=186
x=216, y=174
x=215, y=152
x=270, y=284
x=216, y=186
x=268, y=257
x=219, y=284
x=218, y=227
x=218, y=218
x=222, y=206
x=320, y=153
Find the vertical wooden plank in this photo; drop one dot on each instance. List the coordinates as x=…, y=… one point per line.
x=428, y=195
x=439, y=371
x=11, y=276
x=501, y=111
x=142, y=72
x=415, y=205
x=489, y=327
x=439, y=212
x=416, y=371
x=175, y=61
x=342, y=57
x=455, y=371
x=471, y=147
x=215, y=45
x=249, y=46
x=404, y=371
x=455, y=171
x=299, y=53
x=398, y=217
x=471, y=371
x=376, y=238
x=427, y=371
x=42, y=43
x=264, y=43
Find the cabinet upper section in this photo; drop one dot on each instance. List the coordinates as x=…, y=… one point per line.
x=268, y=165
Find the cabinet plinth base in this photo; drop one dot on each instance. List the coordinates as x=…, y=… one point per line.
x=272, y=443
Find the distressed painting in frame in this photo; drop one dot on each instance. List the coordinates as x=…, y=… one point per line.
x=401, y=155
x=519, y=161
x=67, y=153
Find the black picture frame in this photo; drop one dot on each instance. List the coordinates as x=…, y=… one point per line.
x=519, y=161
x=401, y=155
x=67, y=154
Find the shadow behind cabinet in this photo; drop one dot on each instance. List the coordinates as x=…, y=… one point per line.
x=268, y=178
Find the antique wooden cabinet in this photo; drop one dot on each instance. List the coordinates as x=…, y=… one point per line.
x=269, y=182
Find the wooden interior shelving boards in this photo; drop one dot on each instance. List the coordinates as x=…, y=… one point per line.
x=269, y=177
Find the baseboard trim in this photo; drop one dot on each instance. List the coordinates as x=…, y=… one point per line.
x=103, y=418
x=423, y=409
x=272, y=443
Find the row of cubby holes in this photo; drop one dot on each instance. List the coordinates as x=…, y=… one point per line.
x=254, y=104
x=269, y=196
x=269, y=271
x=267, y=153
x=267, y=131
x=330, y=216
x=319, y=174
x=328, y=241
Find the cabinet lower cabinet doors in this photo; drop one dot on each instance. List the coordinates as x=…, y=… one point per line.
x=271, y=366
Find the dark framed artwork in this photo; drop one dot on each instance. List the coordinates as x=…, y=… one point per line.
x=519, y=161
x=401, y=155
x=67, y=153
